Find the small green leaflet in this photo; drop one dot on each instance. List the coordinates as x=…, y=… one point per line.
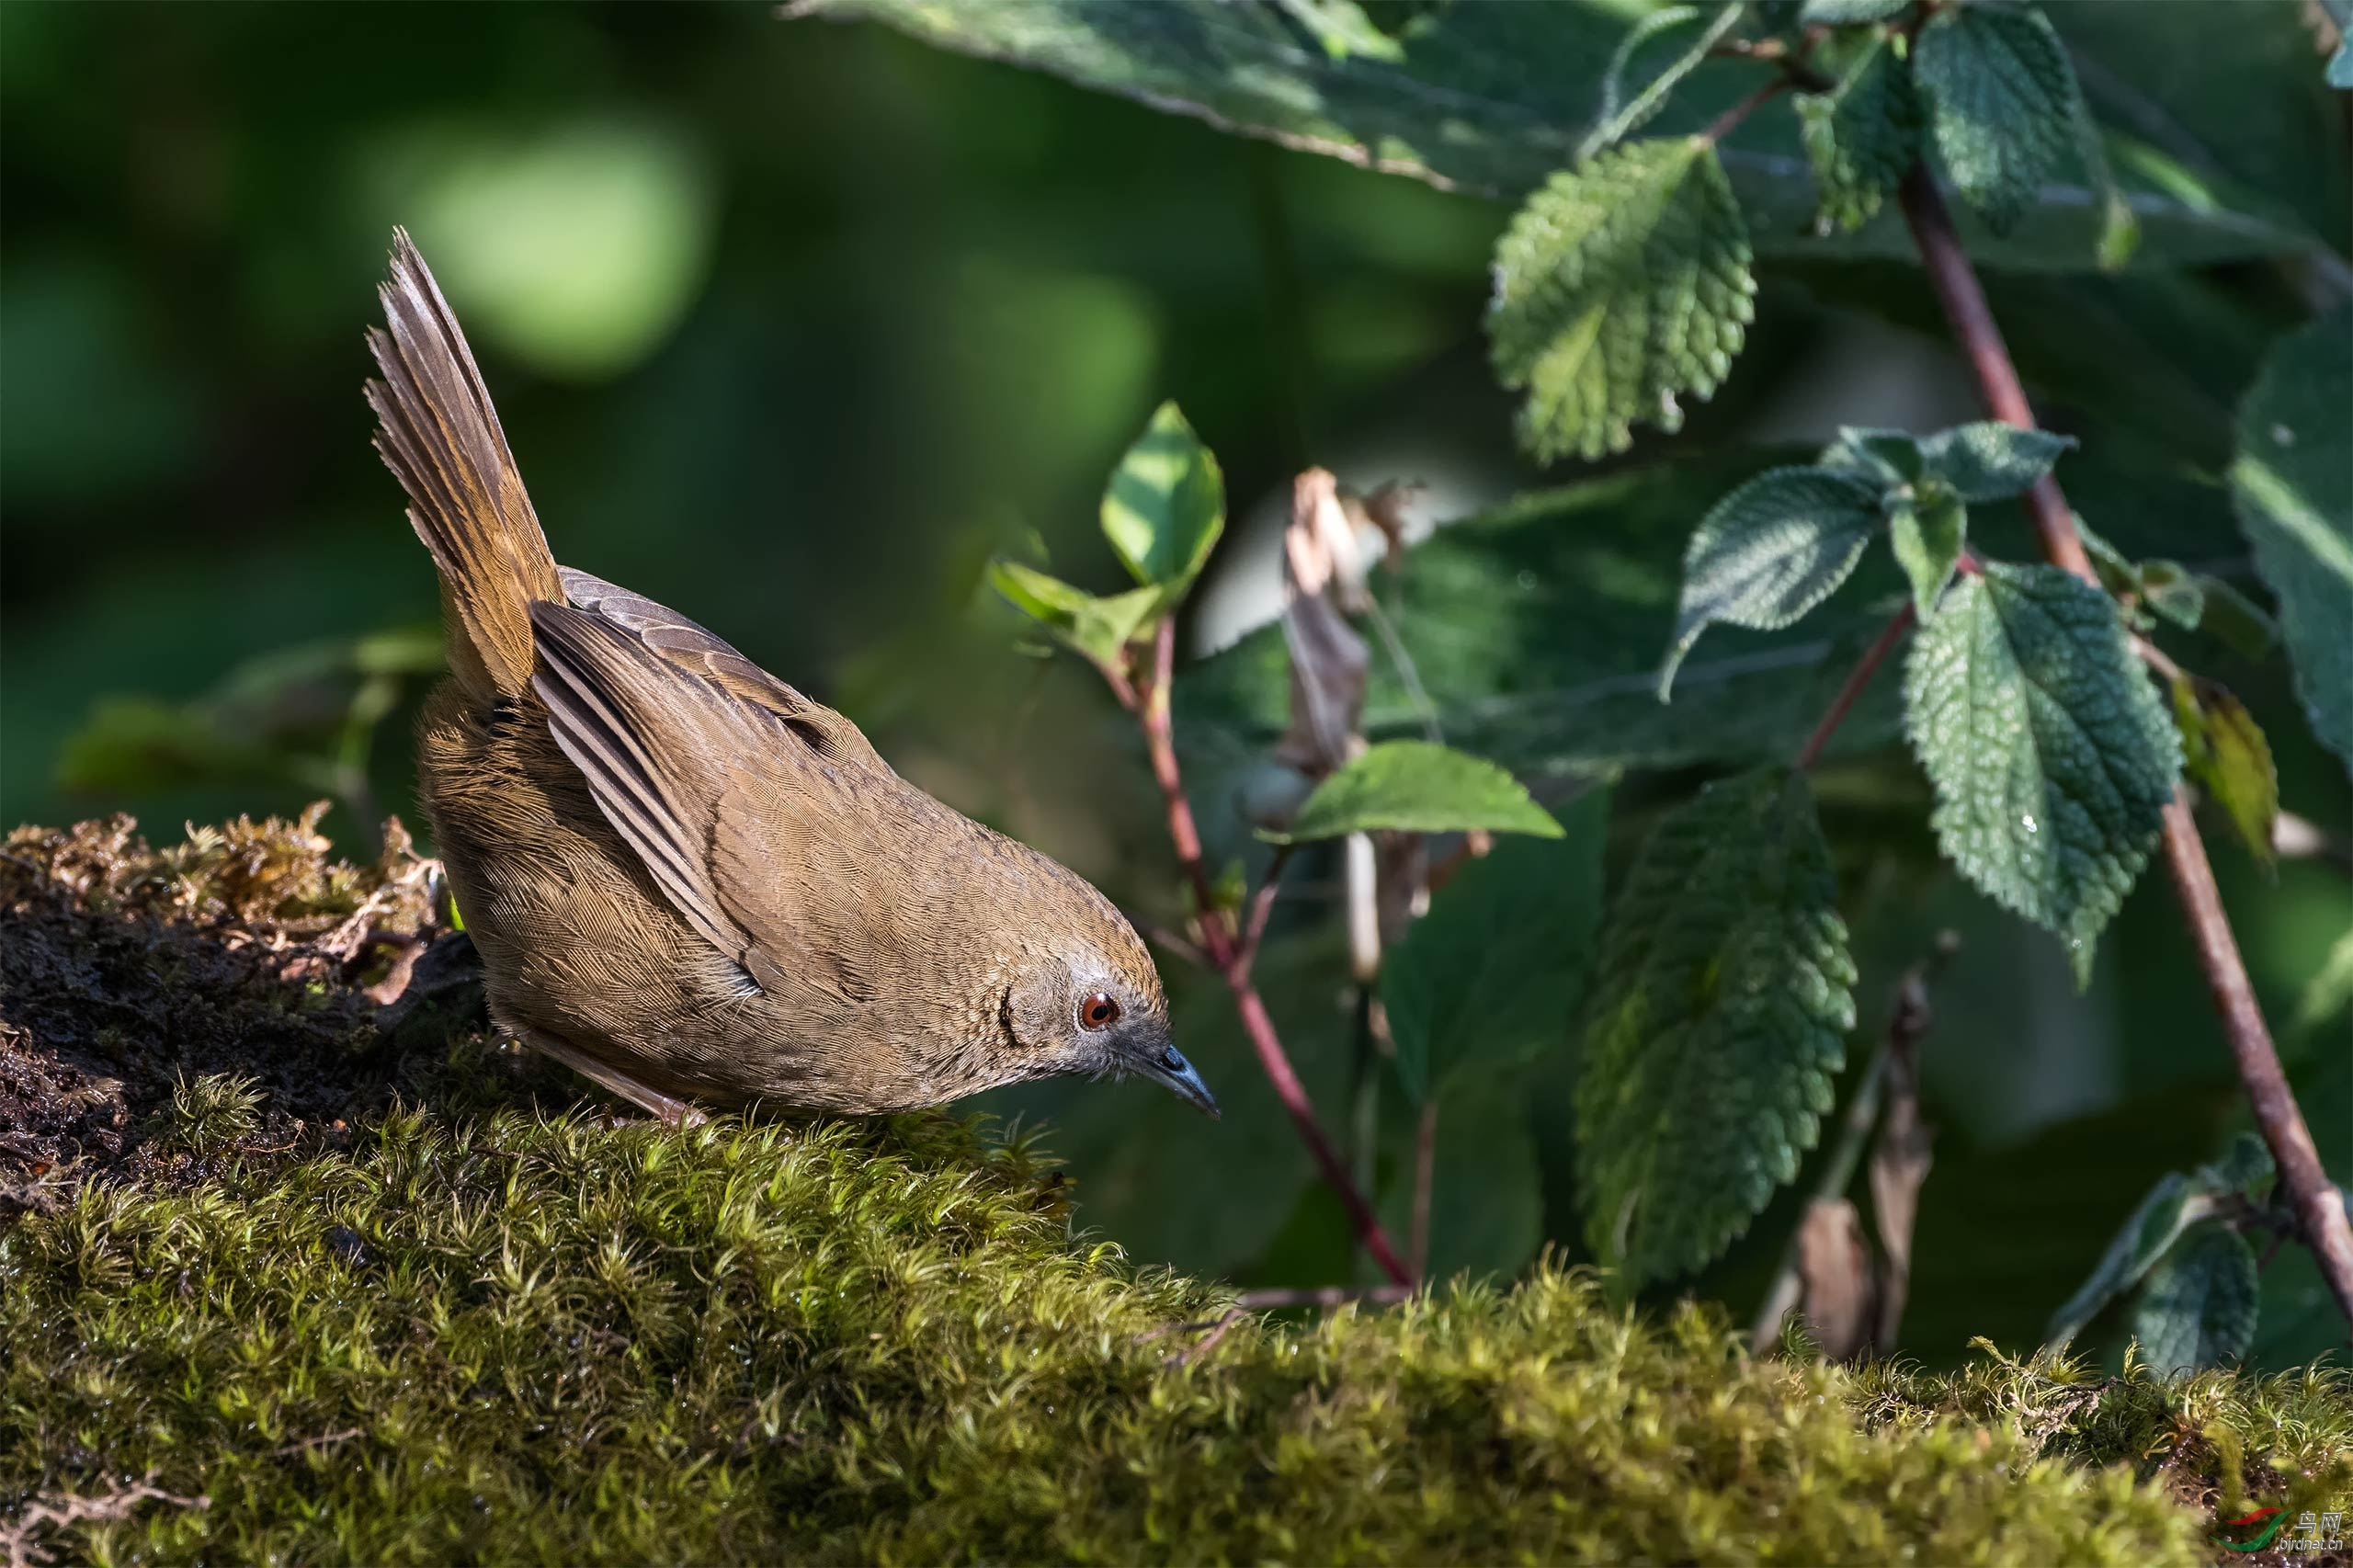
x=1493, y=975
x=1097, y=627
x=2293, y=484
x=1769, y=551
x=1165, y=504
x=2051, y=759
x=1416, y=787
x=1927, y=535
x=1863, y=137
x=1990, y=460
x=2171, y=1208
x=1621, y=286
x=2198, y=1308
x=2001, y=100
x=2226, y=756
x=1723, y=995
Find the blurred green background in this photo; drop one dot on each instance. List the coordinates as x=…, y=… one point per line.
x=790, y=325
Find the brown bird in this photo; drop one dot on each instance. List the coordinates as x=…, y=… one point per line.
x=687, y=881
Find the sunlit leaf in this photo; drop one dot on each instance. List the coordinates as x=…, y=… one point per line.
x=1416, y=787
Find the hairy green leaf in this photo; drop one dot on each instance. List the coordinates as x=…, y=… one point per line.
x=1417, y=787
x=2001, y=100
x=1990, y=460
x=1493, y=98
x=1769, y=551
x=1620, y=287
x=2051, y=756
x=1096, y=626
x=2226, y=756
x=1493, y=975
x=2245, y=1167
x=2293, y=483
x=1888, y=459
x=1863, y=136
x=1927, y=535
x=1722, y=998
x=1534, y=631
x=1165, y=505
x=2199, y=1307
x=2172, y=1206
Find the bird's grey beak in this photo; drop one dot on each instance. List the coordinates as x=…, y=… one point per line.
x=1170, y=1069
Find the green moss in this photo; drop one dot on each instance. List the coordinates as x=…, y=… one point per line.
x=477, y=1325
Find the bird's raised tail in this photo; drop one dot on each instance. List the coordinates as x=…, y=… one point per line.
x=438, y=433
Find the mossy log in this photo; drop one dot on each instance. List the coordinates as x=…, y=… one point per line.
x=282, y=1281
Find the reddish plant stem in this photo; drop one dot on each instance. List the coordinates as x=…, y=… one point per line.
x=1230, y=957
x=2319, y=1210
x=1262, y=909
x=1843, y=703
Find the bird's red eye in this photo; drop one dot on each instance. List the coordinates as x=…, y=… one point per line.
x=1098, y=1011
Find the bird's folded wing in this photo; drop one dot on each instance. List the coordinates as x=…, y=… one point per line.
x=675, y=763
x=704, y=655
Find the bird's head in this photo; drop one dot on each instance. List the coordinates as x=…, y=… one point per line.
x=1093, y=1004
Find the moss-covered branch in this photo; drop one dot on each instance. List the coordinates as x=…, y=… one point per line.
x=479, y=1322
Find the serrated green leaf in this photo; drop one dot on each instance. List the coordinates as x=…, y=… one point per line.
x=1990, y=460
x=1886, y=458
x=2172, y=1206
x=1417, y=787
x=2293, y=484
x=1165, y=504
x=2001, y=98
x=1493, y=975
x=2246, y=1168
x=1620, y=287
x=1863, y=137
x=1493, y=98
x=1927, y=535
x=1723, y=997
x=2226, y=756
x=2051, y=758
x=1096, y=626
x=2199, y=1307
x=1535, y=631
x=1769, y=551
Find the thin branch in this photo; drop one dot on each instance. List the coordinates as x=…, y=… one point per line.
x=1848, y=694
x=2318, y=1208
x=1425, y=1180
x=1262, y=909
x=1725, y=123
x=1219, y=941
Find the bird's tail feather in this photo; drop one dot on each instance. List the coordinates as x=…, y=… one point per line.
x=438, y=433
